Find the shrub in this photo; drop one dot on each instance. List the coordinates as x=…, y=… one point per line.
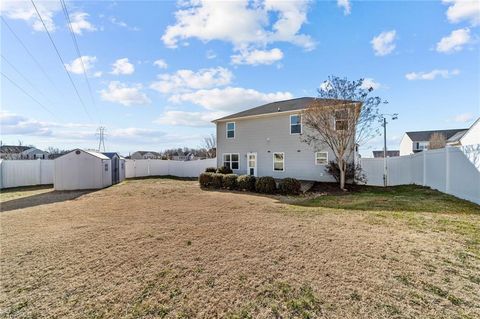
x=289, y=186
x=224, y=170
x=217, y=180
x=353, y=172
x=230, y=181
x=211, y=170
x=266, y=185
x=246, y=182
x=205, y=179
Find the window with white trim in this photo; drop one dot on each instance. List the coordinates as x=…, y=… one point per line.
x=279, y=162
x=321, y=158
x=230, y=129
x=341, y=120
x=231, y=160
x=296, y=124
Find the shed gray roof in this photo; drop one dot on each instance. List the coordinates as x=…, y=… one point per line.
x=425, y=135
x=280, y=106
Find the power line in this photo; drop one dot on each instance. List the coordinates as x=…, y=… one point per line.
x=28, y=52
x=25, y=78
x=74, y=38
x=28, y=94
x=61, y=61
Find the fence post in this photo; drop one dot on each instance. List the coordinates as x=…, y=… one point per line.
x=424, y=167
x=39, y=171
x=447, y=169
x=1, y=174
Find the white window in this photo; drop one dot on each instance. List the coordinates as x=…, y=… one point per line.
x=231, y=160
x=231, y=130
x=321, y=158
x=341, y=120
x=279, y=162
x=296, y=124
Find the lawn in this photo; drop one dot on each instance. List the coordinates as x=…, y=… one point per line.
x=158, y=248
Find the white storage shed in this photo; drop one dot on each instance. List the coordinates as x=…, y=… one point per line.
x=118, y=166
x=80, y=169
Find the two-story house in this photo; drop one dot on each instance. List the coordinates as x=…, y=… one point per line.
x=266, y=141
x=14, y=152
x=414, y=142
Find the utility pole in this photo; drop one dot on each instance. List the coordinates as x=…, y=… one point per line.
x=393, y=116
x=101, y=138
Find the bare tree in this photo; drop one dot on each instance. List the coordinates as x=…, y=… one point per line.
x=210, y=145
x=342, y=117
x=437, y=140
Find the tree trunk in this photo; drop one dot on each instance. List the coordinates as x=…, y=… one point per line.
x=341, y=167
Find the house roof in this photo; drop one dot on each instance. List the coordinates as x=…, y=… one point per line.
x=13, y=149
x=110, y=155
x=145, y=152
x=392, y=153
x=96, y=154
x=425, y=135
x=457, y=136
x=280, y=106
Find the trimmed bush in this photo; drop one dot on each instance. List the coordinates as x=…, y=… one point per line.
x=246, y=182
x=217, y=180
x=230, y=181
x=224, y=170
x=205, y=179
x=289, y=186
x=211, y=170
x=266, y=185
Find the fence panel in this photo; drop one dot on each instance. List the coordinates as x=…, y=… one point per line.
x=435, y=167
x=399, y=170
x=373, y=170
x=463, y=182
x=16, y=173
x=417, y=168
x=139, y=168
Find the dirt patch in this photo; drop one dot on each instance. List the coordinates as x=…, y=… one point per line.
x=165, y=248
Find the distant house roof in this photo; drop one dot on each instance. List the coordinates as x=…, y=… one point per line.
x=379, y=154
x=425, y=135
x=97, y=154
x=457, y=136
x=145, y=152
x=280, y=106
x=13, y=149
x=110, y=155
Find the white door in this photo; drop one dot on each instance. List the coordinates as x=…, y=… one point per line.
x=252, y=164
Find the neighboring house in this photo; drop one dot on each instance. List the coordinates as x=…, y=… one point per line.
x=265, y=141
x=470, y=136
x=146, y=155
x=14, y=152
x=185, y=156
x=379, y=154
x=414, y=142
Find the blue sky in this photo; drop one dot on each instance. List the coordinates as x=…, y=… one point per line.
x=160, y=71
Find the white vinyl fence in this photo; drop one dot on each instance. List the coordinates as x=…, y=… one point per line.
x=15, y=173
x=154, y=167
x=450, y=170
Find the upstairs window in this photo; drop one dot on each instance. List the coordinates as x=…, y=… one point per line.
x=295, y=124
x=279, y=162
x=231, y=130
x=231, y=160
x=321, y=158
x=341, y=120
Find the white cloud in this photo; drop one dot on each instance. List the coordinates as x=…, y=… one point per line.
x=230, y=98
x=14, y=124
x=383, y=43
x=243, y=23
x=184, y=80
x=122, y=66
x=432, y=75
x=256, y=57
x=118, y=92
x=455, y=41
x=183, y=118
x=76, y=65
x=464, y=117
x=80, y=22
x=370, y=83
x=210, y=54
x=23, y=10
x=463, y=10
x=161, y=64
x=123, y=24
x=345, y=4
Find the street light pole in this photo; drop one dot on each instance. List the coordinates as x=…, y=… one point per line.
x=385, y=171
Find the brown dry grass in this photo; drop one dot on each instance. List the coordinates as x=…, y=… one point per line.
x=164, y=248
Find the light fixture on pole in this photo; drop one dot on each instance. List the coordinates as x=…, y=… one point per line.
x=393, y=116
